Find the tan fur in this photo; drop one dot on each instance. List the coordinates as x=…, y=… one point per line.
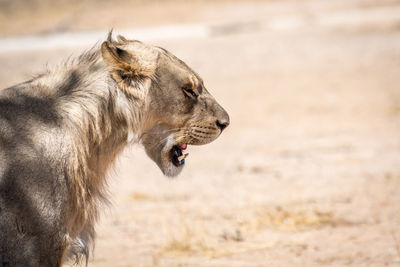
x=125, y=88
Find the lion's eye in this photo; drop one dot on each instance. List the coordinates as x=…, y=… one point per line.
x=189, y=92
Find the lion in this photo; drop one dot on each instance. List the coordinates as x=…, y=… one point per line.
x=61, y=131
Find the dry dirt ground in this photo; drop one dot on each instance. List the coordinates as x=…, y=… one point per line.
x=308, y=173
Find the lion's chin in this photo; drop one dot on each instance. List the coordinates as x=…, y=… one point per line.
x=168, y=157
x=170, y=169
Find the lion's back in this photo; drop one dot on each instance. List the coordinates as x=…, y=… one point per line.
x=32, y=182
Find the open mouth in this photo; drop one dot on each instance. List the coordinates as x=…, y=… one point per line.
x=177, y=156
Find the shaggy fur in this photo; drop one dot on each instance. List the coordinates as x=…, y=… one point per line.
x=60, y=132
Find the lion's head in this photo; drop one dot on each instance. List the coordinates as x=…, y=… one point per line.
x=177, y=108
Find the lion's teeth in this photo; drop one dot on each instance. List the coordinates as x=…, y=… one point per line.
x=180, y=158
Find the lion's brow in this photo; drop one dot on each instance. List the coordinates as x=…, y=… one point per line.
x=199, y=81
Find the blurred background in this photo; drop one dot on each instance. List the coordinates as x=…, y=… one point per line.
x=308, y=173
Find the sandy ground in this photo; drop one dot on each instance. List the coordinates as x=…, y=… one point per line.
x=308, y=173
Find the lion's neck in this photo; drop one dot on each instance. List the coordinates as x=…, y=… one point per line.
x=99, y=120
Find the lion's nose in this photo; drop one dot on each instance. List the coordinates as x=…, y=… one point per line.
x=221, y=116
x=222, y=123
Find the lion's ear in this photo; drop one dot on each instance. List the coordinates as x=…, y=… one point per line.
x=125, y=67
x=121, y=39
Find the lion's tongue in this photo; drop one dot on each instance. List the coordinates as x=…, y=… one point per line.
x=181, y=158
x=182, y=146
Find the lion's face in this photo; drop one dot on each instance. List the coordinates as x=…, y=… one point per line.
x=179, y=111
x=185, y=114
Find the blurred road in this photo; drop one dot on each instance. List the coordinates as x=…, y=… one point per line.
x=378, y=17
